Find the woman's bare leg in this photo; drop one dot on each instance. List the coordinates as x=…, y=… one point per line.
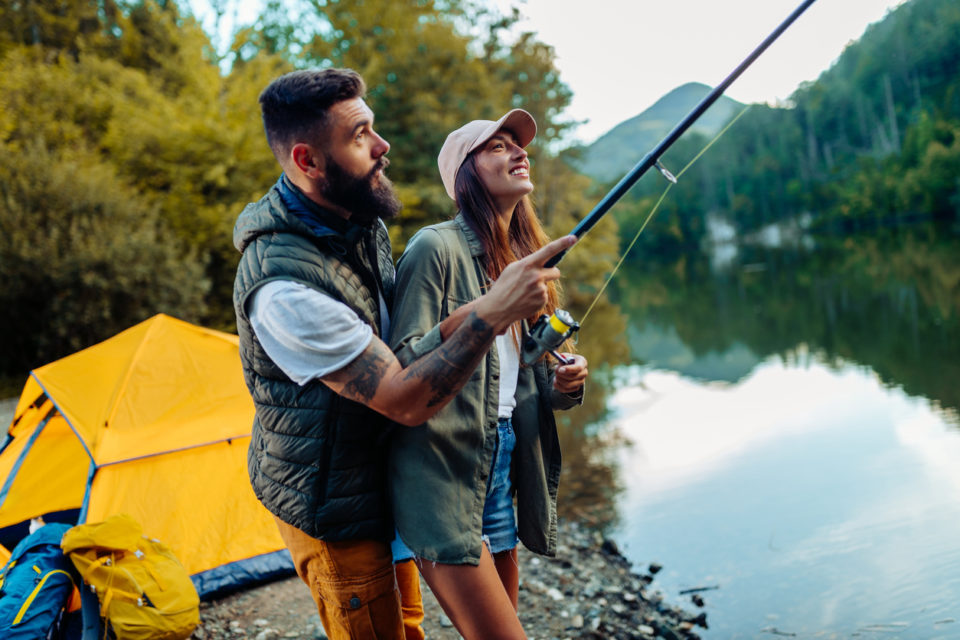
x=474, y=598
x=509, y=572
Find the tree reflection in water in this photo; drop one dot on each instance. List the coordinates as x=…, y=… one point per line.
x=889, y=301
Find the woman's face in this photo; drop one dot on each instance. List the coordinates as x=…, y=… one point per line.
x=504, y=170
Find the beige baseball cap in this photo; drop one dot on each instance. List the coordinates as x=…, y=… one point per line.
x=461, y=142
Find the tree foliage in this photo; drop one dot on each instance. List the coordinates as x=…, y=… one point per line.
x=131, y=140
x=81, y=255
x=872, y=141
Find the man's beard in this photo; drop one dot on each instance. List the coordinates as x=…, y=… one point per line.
x=361, y=196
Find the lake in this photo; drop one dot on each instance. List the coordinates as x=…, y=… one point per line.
x=784, y=435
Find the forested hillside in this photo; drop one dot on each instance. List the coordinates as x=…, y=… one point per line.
x=616, y=152
x=875, y=141
x=127, y=150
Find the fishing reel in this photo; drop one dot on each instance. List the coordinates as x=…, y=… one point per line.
x=547, y=335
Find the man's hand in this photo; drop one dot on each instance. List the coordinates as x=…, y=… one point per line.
x=568, y=378
x=413, y=394
x=521, y=289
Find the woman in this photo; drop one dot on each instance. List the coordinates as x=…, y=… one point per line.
x=453, y=478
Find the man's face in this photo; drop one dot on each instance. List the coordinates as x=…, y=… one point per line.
x=355, y=159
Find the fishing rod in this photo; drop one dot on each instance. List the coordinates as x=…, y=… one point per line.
x=549, y=332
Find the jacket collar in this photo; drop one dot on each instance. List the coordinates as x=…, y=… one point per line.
x=320, y=221
x=476, y=247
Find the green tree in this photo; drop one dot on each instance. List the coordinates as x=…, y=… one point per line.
x=82, y=257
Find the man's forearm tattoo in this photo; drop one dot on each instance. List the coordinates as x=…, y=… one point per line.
x=365, y=374
x=447, y=368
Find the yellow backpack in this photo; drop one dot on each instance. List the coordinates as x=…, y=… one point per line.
x=143, y=590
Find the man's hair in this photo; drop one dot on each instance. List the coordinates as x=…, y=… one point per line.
x=295, y=106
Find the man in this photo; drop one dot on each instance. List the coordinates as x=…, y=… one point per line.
x=312, y=292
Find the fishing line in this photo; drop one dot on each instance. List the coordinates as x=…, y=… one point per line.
x=550, y=331
x=656, y=206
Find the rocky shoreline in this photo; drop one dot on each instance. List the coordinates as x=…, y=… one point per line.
x=588, y=591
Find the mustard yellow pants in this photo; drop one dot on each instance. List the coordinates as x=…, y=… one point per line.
x=360, y=595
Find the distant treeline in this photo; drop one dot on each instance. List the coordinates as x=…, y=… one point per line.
x=129, y=142
x=873, y=142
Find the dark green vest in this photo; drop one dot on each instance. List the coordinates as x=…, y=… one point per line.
x=316, y=460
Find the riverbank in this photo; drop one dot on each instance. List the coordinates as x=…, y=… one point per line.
x=588, y=591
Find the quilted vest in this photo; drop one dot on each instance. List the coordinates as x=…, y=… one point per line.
x=316, y=459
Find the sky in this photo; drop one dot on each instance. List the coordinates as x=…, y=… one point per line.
x=620, y=56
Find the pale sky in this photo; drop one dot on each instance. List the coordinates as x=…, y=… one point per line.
x=621, y=56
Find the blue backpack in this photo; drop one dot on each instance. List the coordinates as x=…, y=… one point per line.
x=35, y=585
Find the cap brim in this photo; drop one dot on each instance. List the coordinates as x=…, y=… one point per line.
x=468, y=138
x=517, y=121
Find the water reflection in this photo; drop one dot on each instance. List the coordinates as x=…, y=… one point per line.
x=888, y=302
x=817, y=498
x=589, y=482
x=788, y=430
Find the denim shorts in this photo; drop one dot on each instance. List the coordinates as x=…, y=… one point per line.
x=499, y=521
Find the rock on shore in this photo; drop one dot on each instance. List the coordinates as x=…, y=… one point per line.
x=588, y=591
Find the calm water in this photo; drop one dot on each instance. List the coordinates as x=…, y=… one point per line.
x=785, y=428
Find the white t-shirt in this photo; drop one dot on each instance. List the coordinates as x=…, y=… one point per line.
x=307, y=333
x=509, y=370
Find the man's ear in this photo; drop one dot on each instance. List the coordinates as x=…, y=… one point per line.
x=308, y=160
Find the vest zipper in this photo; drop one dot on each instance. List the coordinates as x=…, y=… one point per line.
x=372, y=273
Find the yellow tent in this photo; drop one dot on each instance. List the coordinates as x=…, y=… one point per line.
x=153, y=422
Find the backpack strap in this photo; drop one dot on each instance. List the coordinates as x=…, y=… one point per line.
x=6, y=569
x=96, y=564
x=36, y=590
x=90, y=612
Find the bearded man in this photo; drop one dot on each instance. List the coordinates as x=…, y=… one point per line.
x=312, y=298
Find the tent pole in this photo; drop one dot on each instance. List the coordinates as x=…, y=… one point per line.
x=82, y=518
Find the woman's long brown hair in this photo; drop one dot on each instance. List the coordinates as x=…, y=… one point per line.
x=524, y=236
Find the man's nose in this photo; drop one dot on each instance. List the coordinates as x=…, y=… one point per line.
x=380, y=146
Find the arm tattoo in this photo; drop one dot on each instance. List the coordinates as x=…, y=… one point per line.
x=364, y=375
x=447, y=368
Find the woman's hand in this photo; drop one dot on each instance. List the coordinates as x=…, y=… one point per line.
x=568, y=378
x=521, y=288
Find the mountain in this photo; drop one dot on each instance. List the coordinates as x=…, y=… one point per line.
x=616, y=152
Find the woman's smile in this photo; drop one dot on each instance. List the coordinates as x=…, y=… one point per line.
x=504, y=170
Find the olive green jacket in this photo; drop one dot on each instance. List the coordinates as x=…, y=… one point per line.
x=439, y=470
